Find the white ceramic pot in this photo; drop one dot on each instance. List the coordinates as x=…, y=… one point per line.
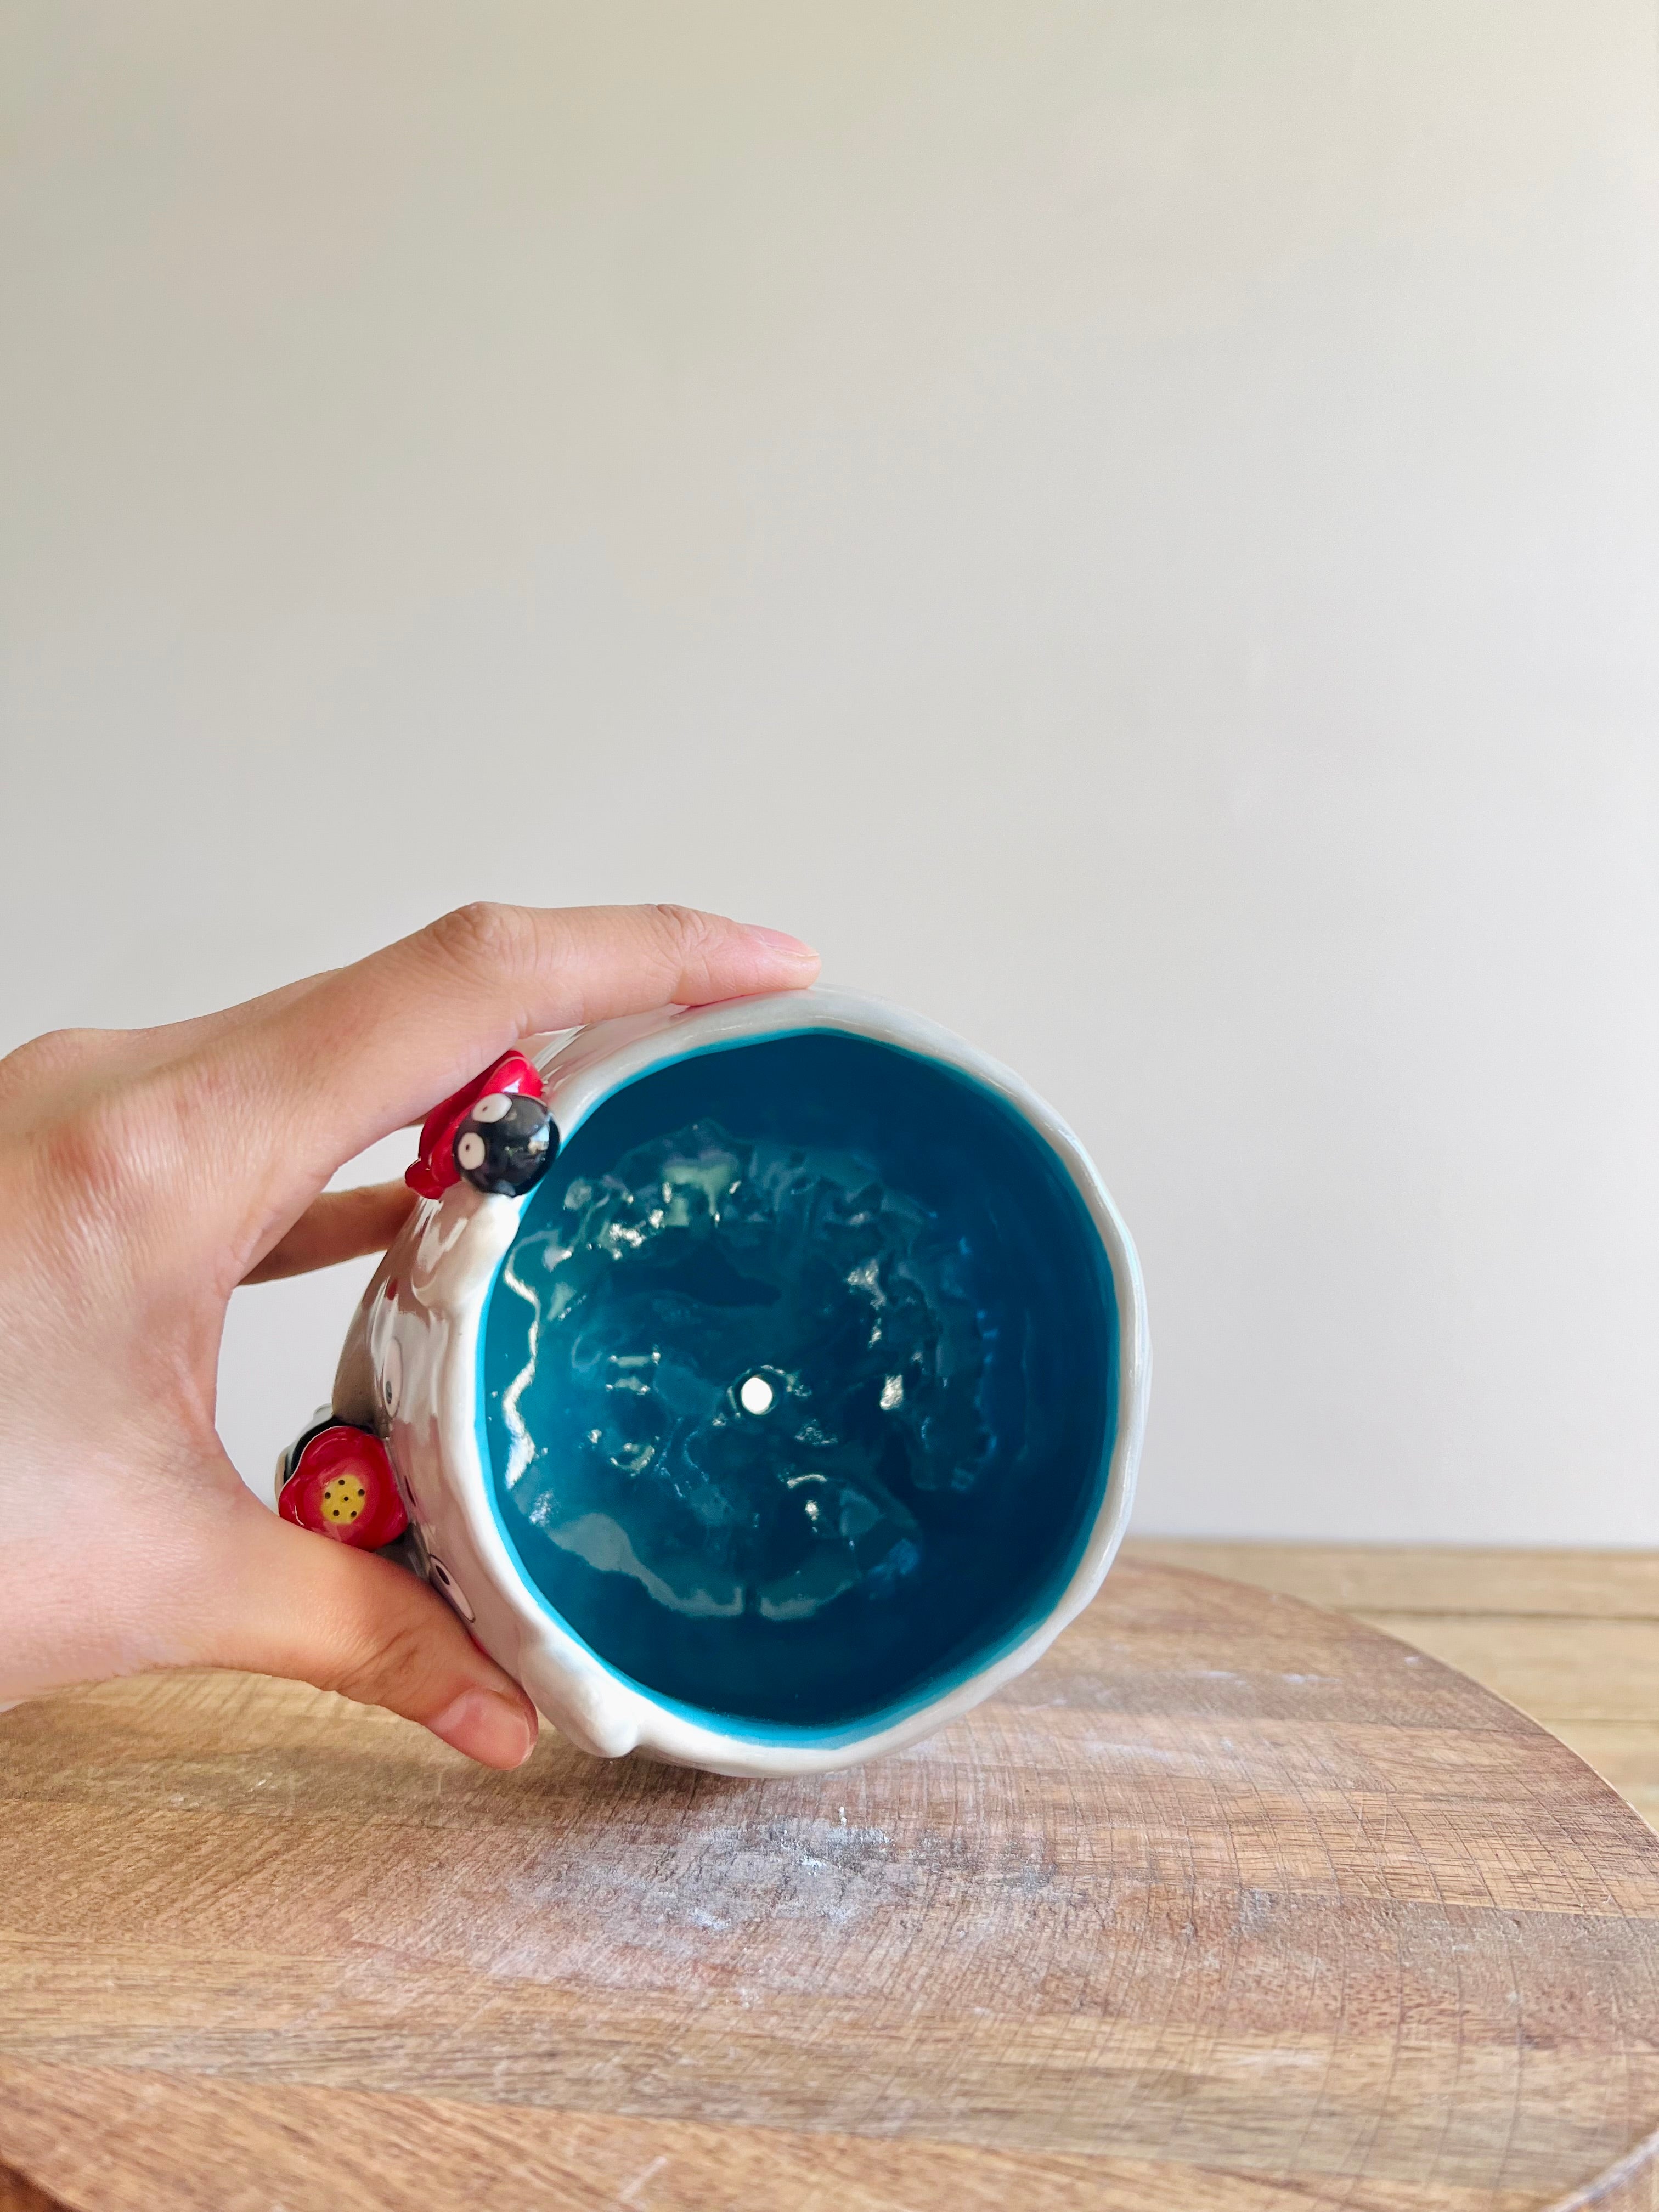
x=795, y=1409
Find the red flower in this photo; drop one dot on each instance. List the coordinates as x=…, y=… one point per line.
x=341, y=1485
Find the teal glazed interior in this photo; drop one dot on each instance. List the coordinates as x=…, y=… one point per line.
x=798, y=1382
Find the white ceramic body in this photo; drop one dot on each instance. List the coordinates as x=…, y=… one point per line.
x=409, y=1370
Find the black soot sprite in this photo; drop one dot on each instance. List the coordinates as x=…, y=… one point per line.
x=507, y=1143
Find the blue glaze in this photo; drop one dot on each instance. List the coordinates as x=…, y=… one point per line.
x=799, y=1382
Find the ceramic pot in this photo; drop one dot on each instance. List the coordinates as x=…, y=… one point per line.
x=796, y=1407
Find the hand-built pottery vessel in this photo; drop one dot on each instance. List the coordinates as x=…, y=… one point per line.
x=764, y=1381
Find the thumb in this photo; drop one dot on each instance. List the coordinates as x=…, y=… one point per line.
x=302, y=1606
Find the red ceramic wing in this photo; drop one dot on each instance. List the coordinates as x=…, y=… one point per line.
x=342, y=1485
x=433, y=1170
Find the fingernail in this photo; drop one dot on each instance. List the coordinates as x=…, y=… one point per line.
x=778, y=940
x=494, y=1729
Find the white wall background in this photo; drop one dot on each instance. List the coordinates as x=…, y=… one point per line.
x=1135, y=525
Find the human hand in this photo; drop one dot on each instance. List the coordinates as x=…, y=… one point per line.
x=144, y=1174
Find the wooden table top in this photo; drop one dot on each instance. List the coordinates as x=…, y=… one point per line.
x=1230, y=1904
x=1571, y=1637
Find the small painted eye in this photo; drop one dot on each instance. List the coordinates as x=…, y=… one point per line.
x=494, y=1106
x=391, y=1375
x=446, y=1586
x=469, y=1152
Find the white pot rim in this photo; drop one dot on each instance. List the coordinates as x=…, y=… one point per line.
x=440, y=1271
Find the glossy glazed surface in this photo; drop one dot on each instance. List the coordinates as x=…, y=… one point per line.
x=798, y=1380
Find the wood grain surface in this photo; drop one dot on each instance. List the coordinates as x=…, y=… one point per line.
x=1572, y=1637
x=1229, y=1903
x=1470, y=1581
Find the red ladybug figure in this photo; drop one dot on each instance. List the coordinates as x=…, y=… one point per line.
x=338, y=1481
x=495, y=1132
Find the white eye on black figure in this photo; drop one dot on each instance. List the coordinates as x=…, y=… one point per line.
x=506, y=1145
